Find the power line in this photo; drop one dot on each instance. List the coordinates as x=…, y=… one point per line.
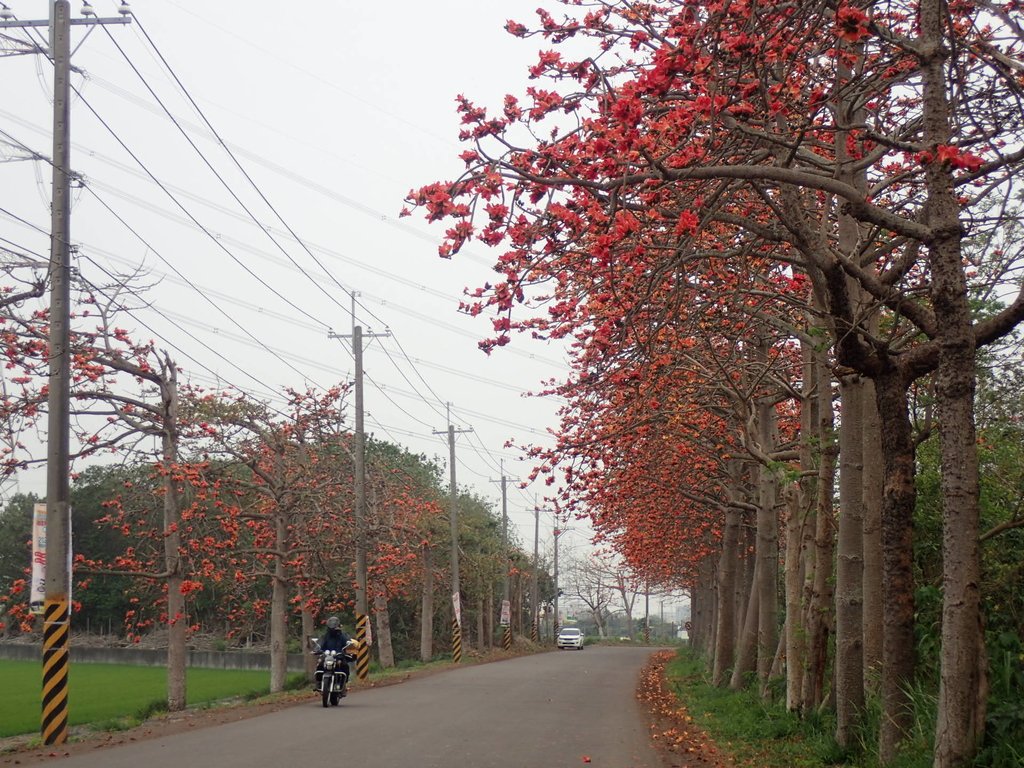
x=239, y=244
x=127, y=226
x=214, y=171
x=248, y=178
x=409, y=359
x=212, y=303
x=382, y=388
x=188, y=213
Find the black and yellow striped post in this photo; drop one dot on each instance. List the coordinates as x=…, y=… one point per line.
x=363, y=651
x=506, y=638
x=456, y=641
x=647, y=633
x=56, y=633
x=535, y=631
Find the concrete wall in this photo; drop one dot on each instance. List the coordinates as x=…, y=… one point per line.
x=150, y=658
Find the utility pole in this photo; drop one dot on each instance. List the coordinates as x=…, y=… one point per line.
x=57, y=604
x=359, y=482
x=536, y=569
x=557, y=533
x=535, y=593
x=453, y=518
x=506, y=603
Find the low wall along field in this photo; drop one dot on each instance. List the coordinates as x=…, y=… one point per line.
x=145, y=657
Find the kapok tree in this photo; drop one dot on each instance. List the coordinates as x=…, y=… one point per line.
x=806, y=107
x=123, y=393
x=404, y=512
x=280, y=513
x=21, y=283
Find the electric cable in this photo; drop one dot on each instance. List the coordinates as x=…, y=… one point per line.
x=188, y=213
x=191, y=336
x=216, y=173
x=408, y=358
x=212, y=303
x=245, y=173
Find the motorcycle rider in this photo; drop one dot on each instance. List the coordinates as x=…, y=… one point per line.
x=335, y=639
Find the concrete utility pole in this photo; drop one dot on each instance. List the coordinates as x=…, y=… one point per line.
x=359, y=481
x=536, y=571
x=453, y=517
x=506, y=604
x=57, y=604
x=535, y=593
x=557, y=533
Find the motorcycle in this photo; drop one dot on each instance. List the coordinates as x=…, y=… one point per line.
x=330, y=678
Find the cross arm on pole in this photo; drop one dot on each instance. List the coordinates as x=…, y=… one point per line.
x=73, y=22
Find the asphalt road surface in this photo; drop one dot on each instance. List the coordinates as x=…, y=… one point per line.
x=548, y=710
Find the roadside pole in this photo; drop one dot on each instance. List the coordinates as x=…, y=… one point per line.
x=359, y=489
x=506, y=604
x=453, y=519
x=57, y=603
x=535, y=589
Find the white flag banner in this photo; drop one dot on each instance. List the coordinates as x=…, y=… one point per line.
x=457, y=607
x=37, y=591
x=37, y=588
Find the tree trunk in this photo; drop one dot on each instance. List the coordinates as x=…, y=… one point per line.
x=516, y=609
x=961, y=715
x=748, y=566
x=872, y=540
x=279, y=611
x=728, y=564
x=427, y=606
x=796, y=635
x=820, y=604
x=746, y=647
x=308, y=631
x=899, y=498
x=962, y=678
x=385, y=651
x=767, y=551
x=177, y=622
x=849, y=663
x=488, y=641
x=482, y=616
x=796, y=700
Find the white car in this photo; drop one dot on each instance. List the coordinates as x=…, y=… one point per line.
x=570, y=637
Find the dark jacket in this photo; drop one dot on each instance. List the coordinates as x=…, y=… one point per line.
x=334, y=640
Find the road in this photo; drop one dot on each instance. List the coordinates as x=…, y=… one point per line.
x=546, y=710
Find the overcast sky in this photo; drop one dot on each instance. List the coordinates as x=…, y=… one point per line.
x=335, y=110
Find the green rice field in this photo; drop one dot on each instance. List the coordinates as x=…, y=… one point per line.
x=106, y=693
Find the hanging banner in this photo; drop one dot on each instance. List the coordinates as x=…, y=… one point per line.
x=457, y=607
x=37, y=591
x=506, y=613
x=37, y=588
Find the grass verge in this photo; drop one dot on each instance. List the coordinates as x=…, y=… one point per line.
x=755, y=733
x=764, y=734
